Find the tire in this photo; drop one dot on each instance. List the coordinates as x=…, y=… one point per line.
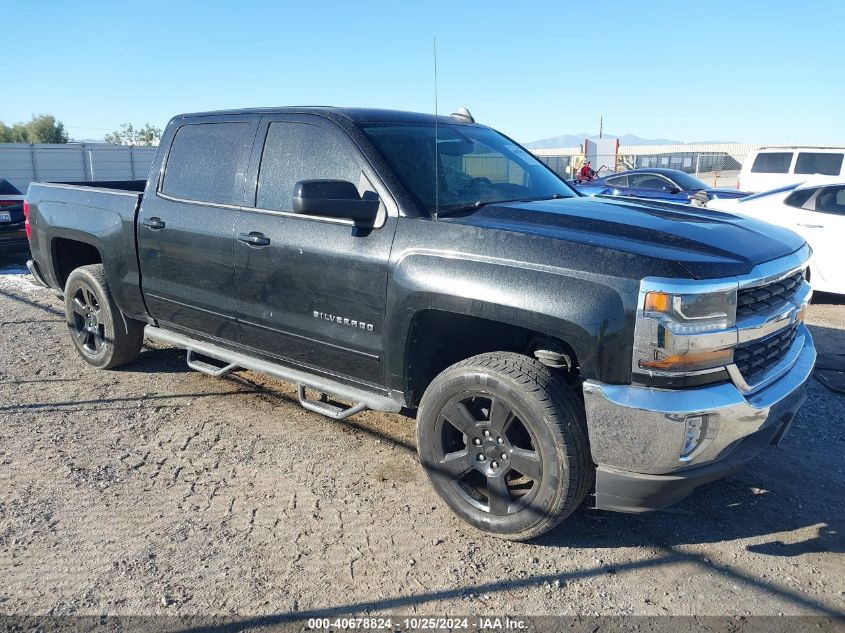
x=104, y=337
x=513, y=413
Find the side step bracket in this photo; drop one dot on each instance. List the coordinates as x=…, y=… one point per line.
x=324, y=408
x=208, y=368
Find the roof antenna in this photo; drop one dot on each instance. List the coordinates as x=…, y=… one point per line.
x=436, y=171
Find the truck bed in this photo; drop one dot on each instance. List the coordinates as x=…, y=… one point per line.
x=121, y=185
x=67, y=218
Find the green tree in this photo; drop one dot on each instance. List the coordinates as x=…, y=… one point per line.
x=43, y=128
x=128, y=135
x=20, y=133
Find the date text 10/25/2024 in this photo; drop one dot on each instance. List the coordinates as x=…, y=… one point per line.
x=418, y=623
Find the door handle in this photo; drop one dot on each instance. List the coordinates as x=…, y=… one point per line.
x=153, y=223
x=811, y=226
x=254, y=239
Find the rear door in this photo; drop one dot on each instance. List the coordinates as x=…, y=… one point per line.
x=313, y=293
x=186, y=226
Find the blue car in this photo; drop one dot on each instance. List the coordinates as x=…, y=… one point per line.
x=669, y=185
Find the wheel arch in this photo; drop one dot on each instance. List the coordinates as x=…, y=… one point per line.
x=438, y=339
x=499, y=307
x=69, y=253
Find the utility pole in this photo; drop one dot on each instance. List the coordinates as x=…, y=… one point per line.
x=601, y=125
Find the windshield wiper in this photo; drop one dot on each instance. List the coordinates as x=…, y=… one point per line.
x=469, y=207
x=478, y=204
x=554, y=196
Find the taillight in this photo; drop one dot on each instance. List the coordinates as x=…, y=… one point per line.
x=737, y=185
x=26, y=224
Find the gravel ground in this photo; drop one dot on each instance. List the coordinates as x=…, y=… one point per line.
x=154, y=489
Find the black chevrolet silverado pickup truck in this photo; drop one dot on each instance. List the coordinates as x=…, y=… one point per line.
x=551, y=346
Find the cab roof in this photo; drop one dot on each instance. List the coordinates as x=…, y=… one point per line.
x=356, y=115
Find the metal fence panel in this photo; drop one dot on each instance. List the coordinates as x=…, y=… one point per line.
x=55, y=163
x=110, y=163
x=16, y=164
x=142, y=160
x=22, y=163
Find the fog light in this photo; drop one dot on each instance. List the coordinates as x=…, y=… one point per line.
x=695, y=432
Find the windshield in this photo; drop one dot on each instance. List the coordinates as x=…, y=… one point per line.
x=475, y=166
x=688, y=183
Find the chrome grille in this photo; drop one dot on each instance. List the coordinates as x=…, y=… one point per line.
x=757, y=356
x=762, y=299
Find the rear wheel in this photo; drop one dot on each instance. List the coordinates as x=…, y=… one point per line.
x=103, y=336
x=504, y=443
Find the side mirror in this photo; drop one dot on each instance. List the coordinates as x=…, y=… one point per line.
x=333, y=199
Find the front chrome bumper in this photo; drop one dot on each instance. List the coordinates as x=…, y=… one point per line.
x=637, y=433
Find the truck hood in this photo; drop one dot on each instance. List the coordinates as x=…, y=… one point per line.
x=706, y=242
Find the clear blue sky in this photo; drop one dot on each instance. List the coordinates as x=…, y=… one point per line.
x=755, y=71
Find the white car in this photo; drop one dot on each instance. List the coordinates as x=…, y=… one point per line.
x=770, y=167
x=816, y=211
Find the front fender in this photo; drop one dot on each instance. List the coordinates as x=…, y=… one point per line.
x=585, y=310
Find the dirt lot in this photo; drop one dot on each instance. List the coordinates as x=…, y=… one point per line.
x=154, y=489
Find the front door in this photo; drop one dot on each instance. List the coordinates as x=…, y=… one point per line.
x=186, y=226
x=312, y=291
x=821, y=221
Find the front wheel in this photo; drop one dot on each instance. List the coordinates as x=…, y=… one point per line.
x=504, y=443
x=103, y=336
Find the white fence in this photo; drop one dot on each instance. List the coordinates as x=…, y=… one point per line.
x=22, y=163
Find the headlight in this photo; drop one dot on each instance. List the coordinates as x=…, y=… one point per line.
x=692, y=313
x=679, y=330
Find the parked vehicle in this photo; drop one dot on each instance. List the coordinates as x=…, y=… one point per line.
x=12, y=223
x=816, y=211
x=550, y=345
x=671, y=185
x=773, y=167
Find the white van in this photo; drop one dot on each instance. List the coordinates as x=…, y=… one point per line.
x=773, y=167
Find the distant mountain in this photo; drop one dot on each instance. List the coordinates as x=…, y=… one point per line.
x=575, y=140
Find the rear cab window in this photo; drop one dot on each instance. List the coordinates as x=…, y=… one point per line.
x=772, y=163
x=826, y=163
x=206, y=162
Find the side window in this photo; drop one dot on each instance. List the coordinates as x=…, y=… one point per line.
x=831, y=200
x=772, y=163
x=649, y=181
x=617, y=181
x=206, y=160
x=301, y=151
x=818, y=163
x=799, y=198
